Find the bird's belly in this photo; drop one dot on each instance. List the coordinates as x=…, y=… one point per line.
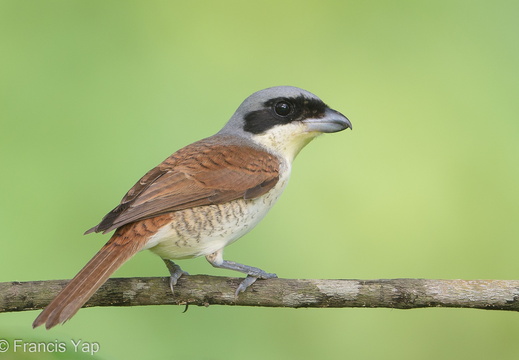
x=203, y=230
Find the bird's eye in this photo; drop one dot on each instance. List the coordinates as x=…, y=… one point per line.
x=283, y=108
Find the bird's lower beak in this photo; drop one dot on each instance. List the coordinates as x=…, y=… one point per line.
x=333, y=121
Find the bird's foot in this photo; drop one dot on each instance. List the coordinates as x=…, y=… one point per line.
x=253, y=273
x=175, y=273
x=251, y=279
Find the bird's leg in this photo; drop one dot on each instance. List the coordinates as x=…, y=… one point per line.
x=253, y=273
x=175, y=271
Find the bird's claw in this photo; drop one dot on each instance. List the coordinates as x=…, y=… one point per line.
x=175, y=273
x=251, y=279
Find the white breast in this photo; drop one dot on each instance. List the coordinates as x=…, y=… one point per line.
x=203, y=230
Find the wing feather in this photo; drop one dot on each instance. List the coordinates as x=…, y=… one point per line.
x=203, y=173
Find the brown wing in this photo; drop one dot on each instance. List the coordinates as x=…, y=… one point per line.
x=202, y=173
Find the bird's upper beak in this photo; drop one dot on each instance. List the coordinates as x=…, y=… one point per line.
x=332, y=121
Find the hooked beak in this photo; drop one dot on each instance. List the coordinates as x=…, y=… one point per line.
x=332, y=121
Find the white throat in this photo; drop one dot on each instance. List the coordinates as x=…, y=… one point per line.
x=285, y=141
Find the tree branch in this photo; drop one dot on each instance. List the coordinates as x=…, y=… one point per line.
x=207, y=290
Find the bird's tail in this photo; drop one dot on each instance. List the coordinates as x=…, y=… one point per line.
x=122, y=246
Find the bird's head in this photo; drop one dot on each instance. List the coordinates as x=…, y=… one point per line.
x=284, y=119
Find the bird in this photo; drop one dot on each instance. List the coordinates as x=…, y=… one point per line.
x=206, y=195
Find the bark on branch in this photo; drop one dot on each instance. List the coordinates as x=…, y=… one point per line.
x=207, y=290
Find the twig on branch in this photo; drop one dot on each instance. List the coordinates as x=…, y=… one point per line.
x=207, y=290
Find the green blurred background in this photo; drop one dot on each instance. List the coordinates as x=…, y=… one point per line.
x=95, y=93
